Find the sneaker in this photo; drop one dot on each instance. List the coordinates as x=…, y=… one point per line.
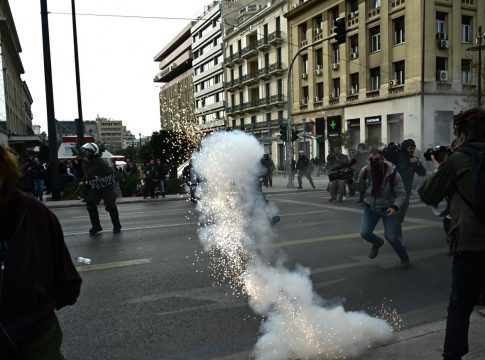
x=374, y=251
x=117, y=230
x=332, y=200
x=275, y=220
x=405, y=264
x=299, y=187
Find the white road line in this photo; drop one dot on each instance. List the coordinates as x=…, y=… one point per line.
x=141, y=227
x=132, y=213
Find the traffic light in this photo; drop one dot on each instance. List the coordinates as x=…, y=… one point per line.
x=340, y=30
x=294, y=135
x=284, y=132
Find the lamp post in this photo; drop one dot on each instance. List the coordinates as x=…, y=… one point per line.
x=79, y=120
x=289, y=145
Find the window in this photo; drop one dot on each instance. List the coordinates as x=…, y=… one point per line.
x=279, y=87
x=466, y=28
x=398, y=30
x=267, y=90
x=354, y=46
x=399, y=72
x=442, y=69
x=354, y=83
x=319, y=90
x=440, y=25
x=466, y=71
x=333, y=15
x=375, y=78
x=319, y=57
x=374, y=4
x=303, y=30
x=278, y=24
x=375, y=39
x=335, y=88
x=353, y=6
x=317, y=25
x=335, y=54
x=305, y=94
x=304, y=64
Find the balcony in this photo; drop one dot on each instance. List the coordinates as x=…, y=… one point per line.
x=238, y=57
x=250, y=78
x=396, y=89
x=374, y=12
x=265, y=102
x=275, y=38
x=318, y=101
x=249, y=52
x=263, y=43
x=264, y=73
x=229, y=60
x=303, y=43
x=334, y=100
x=238, y=83
x=353, y=19
x=394, y=4
x=372, y=94
x=276, y=69
x=252, y=105
x=278, y=100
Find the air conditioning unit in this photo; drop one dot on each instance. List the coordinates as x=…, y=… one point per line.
x=317, y=99
x=318, y=31
x=304, y=76
x=442, y=75
x=353, y=91
x=392, y=83
x=352, y=14
x=335, y=66
x=443, y=44
x=441, y=36
x=303, y=101
x=318, y=72
x=354, y=55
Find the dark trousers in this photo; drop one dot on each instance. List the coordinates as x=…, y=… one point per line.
x=467, y=283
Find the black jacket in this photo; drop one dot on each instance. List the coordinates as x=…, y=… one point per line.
x=37, y=275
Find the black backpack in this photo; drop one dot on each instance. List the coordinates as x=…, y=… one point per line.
x=477, y=203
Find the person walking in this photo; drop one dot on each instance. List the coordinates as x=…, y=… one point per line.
x=402, y=156
x=360, y=157
x=36, y=271
x=459, y=175
x=39, y=179
x=384, y=195
x=337, y=186
x=151, y=179
x=269, y=166
x=99, y=183
x=305, y=168
x=190, y=177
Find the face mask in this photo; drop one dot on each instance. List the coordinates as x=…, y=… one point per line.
x=375, y=165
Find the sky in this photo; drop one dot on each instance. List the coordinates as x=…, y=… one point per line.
x=115, y=57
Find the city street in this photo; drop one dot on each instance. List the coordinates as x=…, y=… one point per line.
x=148, y=293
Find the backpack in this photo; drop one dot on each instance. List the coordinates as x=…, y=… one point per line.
x=477, y=204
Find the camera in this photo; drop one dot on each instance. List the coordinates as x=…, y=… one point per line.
x=342, y=172
x=439, y=152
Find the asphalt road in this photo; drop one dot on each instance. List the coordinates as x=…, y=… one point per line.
x=148, y=293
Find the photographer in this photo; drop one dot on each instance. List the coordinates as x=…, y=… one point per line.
x=402, y=156
x=457, y=175
x=337, y=184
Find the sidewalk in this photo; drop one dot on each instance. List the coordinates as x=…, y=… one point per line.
x=280, y=183
x=424, y=342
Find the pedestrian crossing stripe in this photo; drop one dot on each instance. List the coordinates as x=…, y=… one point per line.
x=112, y=265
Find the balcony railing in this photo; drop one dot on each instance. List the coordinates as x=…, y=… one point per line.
x=249, y=78
x=249, y=51
x=372, y=93
x=276, y=67
x=263, y=42
x=264, y=72
x=275, y=37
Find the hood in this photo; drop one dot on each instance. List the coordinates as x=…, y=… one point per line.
x=406, y=143
x=390, y=168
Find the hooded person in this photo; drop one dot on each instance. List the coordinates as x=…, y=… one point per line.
x=99, y=183
x=304, y=167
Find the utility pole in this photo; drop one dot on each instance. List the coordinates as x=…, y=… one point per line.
x=79, y=120
x=479, y=82
x=49, y=95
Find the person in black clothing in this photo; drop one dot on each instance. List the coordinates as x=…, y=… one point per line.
x=151, y=179
x=162, y=174
x=304, y=167
x=38, y=276
x=39, y=179
x=269, y=167
x=27, y=178
x=99, y=183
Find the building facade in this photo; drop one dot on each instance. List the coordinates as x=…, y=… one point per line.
x=256, y=63
x=110, y=133
x=15, y=98
x=405, y=68
x=177, y=94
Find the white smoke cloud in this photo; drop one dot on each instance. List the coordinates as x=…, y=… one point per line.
x=238, y=219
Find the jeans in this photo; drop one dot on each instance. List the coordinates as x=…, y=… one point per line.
x=39, y=188
x=467, y=283
x=370, y=218
x=337, y=187
x=401, y=214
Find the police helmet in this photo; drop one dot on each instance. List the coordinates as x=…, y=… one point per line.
x=91, y=148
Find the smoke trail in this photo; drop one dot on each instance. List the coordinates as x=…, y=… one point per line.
x=237, y=219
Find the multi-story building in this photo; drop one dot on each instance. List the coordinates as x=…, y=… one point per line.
x=129, y=139
x=403, y=71
x=15, y=98
x=256, y=62
x=177, y=94
x=110, y=133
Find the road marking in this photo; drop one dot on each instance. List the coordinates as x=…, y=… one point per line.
x=347, y=236
x=113, y=265
x=141, y=227
x=131, y=213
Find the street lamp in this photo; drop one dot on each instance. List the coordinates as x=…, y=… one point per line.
x=289, y=145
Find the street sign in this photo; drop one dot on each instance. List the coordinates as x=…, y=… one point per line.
x=334, y=126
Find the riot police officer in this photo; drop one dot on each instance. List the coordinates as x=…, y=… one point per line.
x=99, y=183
